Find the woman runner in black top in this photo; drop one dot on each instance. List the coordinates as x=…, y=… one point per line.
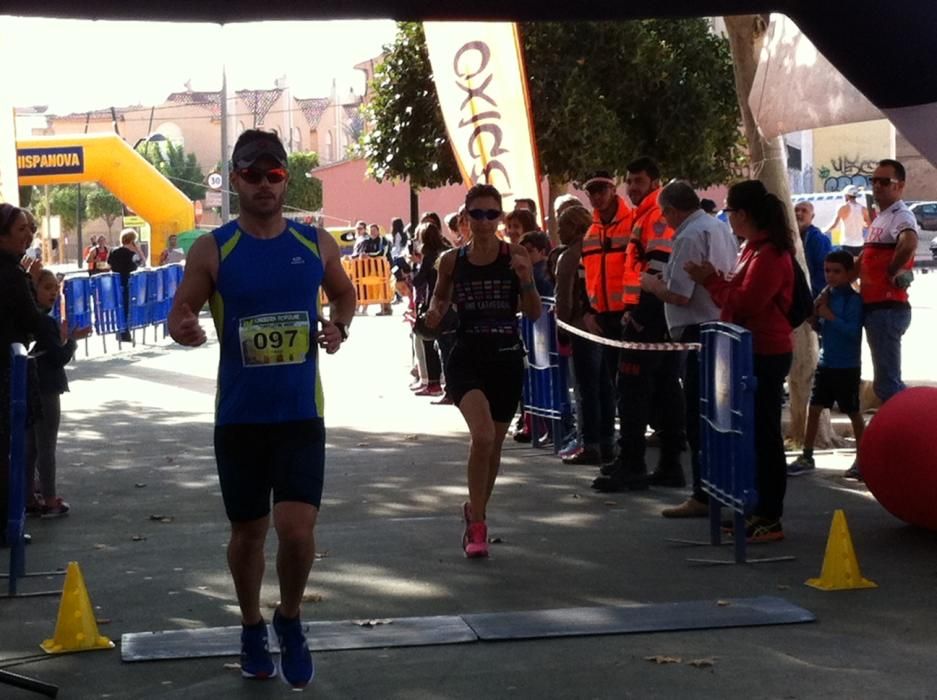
x=487, y=280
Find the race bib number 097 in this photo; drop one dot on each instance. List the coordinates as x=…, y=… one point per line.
x=274, y=339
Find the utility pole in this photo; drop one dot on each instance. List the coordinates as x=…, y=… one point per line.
x=225, y=170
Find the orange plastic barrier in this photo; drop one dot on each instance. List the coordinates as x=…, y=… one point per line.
x=371, y=279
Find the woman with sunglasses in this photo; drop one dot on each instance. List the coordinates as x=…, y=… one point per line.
x=757, y=296
x=489, y=281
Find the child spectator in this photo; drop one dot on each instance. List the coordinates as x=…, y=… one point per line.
x=53, y=350
x=537, y=245
x=839, y=322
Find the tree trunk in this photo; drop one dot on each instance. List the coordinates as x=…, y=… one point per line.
x=768, y=163
x=415, y=208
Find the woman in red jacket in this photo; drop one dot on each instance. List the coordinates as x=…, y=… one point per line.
x=757, y=296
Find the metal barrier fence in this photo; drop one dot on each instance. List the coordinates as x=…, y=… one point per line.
x=15, y=525
x=546, y=383
x=727, y=443
x=16, y=513
x=99, y=301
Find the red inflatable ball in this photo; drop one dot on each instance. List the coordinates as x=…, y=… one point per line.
x=898, y=459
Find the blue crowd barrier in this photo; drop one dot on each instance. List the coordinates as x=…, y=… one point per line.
x=546, y=387
x=77, y=291
x=139, y=299
x=109, y=314
x=98, y=301
x=172, y=276
x=16, y=513
x=727, y=443
x=155, y=297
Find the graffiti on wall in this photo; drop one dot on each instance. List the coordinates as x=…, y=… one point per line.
x=844, y=171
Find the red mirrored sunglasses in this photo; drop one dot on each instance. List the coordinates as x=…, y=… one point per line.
x=253, y=176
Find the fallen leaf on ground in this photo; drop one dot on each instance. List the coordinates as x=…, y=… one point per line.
x=103, y=620
x=100, y=546
x=372, y=623
x=702, y=663
x=140, y=486
x=312, y=597
x=162, y=518
x=137, y=538
x=495, y=540
x=723, y=603
x=363, y=444
x=661, y=659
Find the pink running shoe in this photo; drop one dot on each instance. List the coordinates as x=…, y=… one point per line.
x=477, y=540
x=467, y=519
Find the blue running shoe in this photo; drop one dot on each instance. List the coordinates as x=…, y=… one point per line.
x=295, y=659
x=255, y=654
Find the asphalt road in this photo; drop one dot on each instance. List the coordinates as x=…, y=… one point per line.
x=136, y=443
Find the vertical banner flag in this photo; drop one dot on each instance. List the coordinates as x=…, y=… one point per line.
x=9, y=185
x=479, y=74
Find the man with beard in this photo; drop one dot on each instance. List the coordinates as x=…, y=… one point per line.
x=648, y=381
x=262, y=274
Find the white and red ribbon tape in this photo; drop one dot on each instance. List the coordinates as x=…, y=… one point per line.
x=625, y=345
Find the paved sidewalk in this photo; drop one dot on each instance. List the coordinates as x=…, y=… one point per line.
x=136, y=443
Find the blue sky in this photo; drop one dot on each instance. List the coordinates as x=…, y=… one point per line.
x=75, y=65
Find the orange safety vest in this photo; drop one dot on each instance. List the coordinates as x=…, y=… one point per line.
x=603, y=256
x=649, y=248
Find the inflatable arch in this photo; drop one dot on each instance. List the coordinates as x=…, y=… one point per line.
x=110, y=161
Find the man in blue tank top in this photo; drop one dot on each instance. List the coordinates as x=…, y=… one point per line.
x=261, y=275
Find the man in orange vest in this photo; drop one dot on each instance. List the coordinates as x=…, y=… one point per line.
x=603, y=262
x=648, y=381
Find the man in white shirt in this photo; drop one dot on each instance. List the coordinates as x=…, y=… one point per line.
x=885, y=273
x=855, y=218
x=698, y=237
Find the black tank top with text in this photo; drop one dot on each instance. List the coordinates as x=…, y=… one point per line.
x=486, y=297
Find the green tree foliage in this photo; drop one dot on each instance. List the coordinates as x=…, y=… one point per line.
x=100, y=203
x=407, y=138
x=304, y=192
x=602, y=93
x=606, y=92
x=177, y=166
x=63, y=202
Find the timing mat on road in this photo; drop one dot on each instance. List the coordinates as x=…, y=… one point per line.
x=452, y=629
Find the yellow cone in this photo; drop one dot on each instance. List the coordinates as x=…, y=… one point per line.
x=840, y=568
x=76, y=628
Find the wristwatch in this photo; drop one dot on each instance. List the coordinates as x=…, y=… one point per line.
x=342, y=328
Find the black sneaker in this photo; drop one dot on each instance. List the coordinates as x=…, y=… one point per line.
x=853, y=472
x=800, y=466
x=668, y=478
x=621, y=480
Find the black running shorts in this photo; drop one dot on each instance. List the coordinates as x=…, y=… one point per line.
x=255, y=459
x=835, y=385
x=498, y=372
